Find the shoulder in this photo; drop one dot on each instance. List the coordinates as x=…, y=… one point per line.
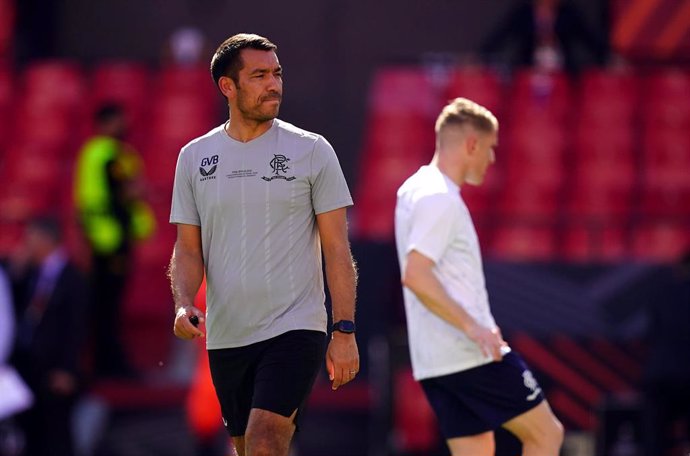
x=302, y=137
x=444, y=202
x=201, y=142
x=291, y=131
x=99, y=147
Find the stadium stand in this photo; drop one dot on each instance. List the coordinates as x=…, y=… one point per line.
x=582, y=160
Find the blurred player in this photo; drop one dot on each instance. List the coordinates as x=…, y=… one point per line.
x=256, y=202
x=473, y=381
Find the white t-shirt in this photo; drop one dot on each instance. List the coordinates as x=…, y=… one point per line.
x=431, y=218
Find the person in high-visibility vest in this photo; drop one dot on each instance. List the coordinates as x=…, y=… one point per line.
x=112, y=216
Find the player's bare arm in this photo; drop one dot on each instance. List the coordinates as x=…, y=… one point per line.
x=186, y=272
x=421, y=280
x=342, y=357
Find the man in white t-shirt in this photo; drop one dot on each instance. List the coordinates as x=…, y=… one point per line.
x=472, y=379
x=256, y=202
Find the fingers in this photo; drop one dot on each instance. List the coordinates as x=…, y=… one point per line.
x=342, y=360
x=343, y=376
x=341, y=372
x=184, y=328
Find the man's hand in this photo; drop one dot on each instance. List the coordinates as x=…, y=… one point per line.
x=490, y=341
x=342, y=359
x=184, y=329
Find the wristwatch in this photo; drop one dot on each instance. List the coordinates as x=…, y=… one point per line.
x=344, y=326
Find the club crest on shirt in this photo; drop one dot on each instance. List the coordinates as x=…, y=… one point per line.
x=279, y=165
x=208, y=173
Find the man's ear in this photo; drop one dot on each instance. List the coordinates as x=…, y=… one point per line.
x=227, y=87
x=471, y=141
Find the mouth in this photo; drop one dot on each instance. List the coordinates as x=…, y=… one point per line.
x=269, y=98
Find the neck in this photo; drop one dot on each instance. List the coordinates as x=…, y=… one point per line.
x=455, y=170
x=243, y=129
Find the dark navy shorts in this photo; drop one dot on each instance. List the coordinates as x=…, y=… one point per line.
x=275, y=375
x=481, y=399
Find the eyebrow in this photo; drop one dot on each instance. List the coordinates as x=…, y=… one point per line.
x=266, y=70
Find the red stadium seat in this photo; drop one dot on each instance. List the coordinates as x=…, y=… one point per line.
x=160, y=159
x=595, y=243
x=602, y=189
x=668, y=84
x=525, y=198
x=535, y=142
x=398, y=135
x=43, y=169
x=195, y=81
x=660, y=241
x=667, y=100
x=607, y=98
x=7, y=28
x=181, y=117
x=537, y=93
x=604, y=143
x=405, y=90
x=6, y=100
x=23, y=201
x=477, y=84
x=127, y=84
x=665, y=171
x=57, y=85
x=414, y=426
x=376, y=196
x=535, y=172
x=523, y=242
x=667, y=149
x=11, y=232
x=34, y=123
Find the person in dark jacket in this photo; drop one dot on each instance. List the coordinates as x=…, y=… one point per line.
x=51, y=305
x=548, y=34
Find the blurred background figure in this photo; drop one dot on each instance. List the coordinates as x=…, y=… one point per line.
x=14, y=395
x=667, y=371
x=548, y=34
x=112, y=215
x=187, y=47
x=51, y=308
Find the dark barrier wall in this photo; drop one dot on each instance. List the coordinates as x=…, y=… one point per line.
x=329, y=48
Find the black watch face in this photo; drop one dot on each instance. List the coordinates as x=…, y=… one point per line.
x=345, y=326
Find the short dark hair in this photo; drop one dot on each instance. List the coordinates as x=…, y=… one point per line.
x=48, y=225
x=226, y=60
x=107, y=112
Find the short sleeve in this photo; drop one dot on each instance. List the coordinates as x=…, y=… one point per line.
x=432, y=226
x=329, y=189
x=184, y=209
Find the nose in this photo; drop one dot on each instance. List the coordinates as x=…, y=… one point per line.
x=492, y=156
x=274, y=82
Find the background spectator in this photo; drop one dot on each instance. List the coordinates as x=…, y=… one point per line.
x=51, y=329
x=112, y=216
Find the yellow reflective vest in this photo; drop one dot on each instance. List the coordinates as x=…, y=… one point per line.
x=93, y=198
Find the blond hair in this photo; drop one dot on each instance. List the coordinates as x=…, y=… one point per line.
x=461, y=111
